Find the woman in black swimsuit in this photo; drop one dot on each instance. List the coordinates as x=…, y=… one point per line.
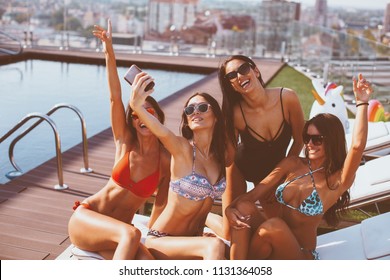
x=260, y=124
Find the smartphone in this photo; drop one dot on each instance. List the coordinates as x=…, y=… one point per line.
x=132, y=72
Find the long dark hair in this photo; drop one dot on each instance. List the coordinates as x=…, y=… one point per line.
x=230, y=97
x=218, y=142
x=335, y=153
x=156, y=107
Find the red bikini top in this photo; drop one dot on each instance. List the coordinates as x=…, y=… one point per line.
x=143, y=188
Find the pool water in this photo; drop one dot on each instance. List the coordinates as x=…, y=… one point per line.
x=37, y=85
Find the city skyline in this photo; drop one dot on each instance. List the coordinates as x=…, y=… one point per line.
x=371, y=5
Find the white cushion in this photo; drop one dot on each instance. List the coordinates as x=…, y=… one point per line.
x=376, y=236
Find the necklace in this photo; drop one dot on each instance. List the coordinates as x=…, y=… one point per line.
x=203, y=155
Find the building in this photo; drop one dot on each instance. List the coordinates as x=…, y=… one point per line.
x=321, y=13
x=386, y=21
x=171, y=15
x=274, y=20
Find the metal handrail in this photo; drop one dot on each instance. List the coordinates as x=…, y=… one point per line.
x=86, y=168
x=11, y=52
x=42, y=118
x=61, y=185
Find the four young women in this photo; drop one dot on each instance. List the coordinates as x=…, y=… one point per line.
x=264, y=125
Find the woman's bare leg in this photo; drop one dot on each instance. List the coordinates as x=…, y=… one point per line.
x=184, y=248
x=93, y=231
x=274, y=240
x=241, y=238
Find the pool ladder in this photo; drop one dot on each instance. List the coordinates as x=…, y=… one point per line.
x=9, y=43
x=45, y=117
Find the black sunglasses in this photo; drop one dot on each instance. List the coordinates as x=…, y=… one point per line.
x=201, y=107
x=317, y=140
x=243, y=70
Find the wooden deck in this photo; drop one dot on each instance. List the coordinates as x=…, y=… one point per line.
x=34, y=216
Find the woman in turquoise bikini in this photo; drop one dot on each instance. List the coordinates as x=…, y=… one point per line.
x=308, y=189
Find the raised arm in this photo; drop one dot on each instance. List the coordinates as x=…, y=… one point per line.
x=173, y=143
x=117, y=110
x=362, y=90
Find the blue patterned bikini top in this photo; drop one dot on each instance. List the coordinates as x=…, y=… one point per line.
x=196, y=186
x=310, y=206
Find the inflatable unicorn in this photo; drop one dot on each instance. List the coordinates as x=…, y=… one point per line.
x=329, y=99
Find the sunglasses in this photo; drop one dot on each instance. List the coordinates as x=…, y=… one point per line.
x=150, y=110
x=317, y=140
x=201, y=108
x=243, y=70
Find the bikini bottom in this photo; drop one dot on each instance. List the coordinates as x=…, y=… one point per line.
x=83, y=204
x=156, y=233
x=314, y=253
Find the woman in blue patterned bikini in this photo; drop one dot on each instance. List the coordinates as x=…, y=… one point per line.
x=197, y=176
x=307, y=189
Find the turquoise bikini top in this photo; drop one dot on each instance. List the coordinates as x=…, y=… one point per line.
x=310, y=206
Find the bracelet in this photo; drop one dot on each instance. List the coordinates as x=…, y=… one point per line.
x=363, y=103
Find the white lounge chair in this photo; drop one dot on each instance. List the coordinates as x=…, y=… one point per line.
x=369, y=240
x=372, y=183
x=378, y=138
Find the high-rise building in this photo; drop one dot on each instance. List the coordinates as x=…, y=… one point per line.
x=386, y=21
x=274, y=19
x=171, y=14
x=320, y=12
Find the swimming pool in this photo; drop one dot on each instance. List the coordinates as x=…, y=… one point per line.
x=37, y=85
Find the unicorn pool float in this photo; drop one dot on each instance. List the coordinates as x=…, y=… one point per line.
x=329, y=99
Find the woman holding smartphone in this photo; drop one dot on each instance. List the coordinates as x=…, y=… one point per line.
x=103, y=222
x=197, y=176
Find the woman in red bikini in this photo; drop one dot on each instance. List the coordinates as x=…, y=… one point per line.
x=102, y=222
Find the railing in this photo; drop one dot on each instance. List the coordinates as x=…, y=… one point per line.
x=46, y=118
x=18, y=172
x=8, y=43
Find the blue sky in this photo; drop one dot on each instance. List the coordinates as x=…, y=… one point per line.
x=372, y=4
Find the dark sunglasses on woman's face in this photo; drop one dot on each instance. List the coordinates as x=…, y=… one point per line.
x=317, y=140
x=243, y=70
x=201, y=107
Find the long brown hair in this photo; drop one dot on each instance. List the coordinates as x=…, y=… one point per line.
x=156, y=107
x=230, y=97
x=218, y=142
x=335, y=153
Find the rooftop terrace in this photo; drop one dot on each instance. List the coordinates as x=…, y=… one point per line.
x=34, y=216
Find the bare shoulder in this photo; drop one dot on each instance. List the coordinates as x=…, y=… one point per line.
x=289, y=95
x=291, y=161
